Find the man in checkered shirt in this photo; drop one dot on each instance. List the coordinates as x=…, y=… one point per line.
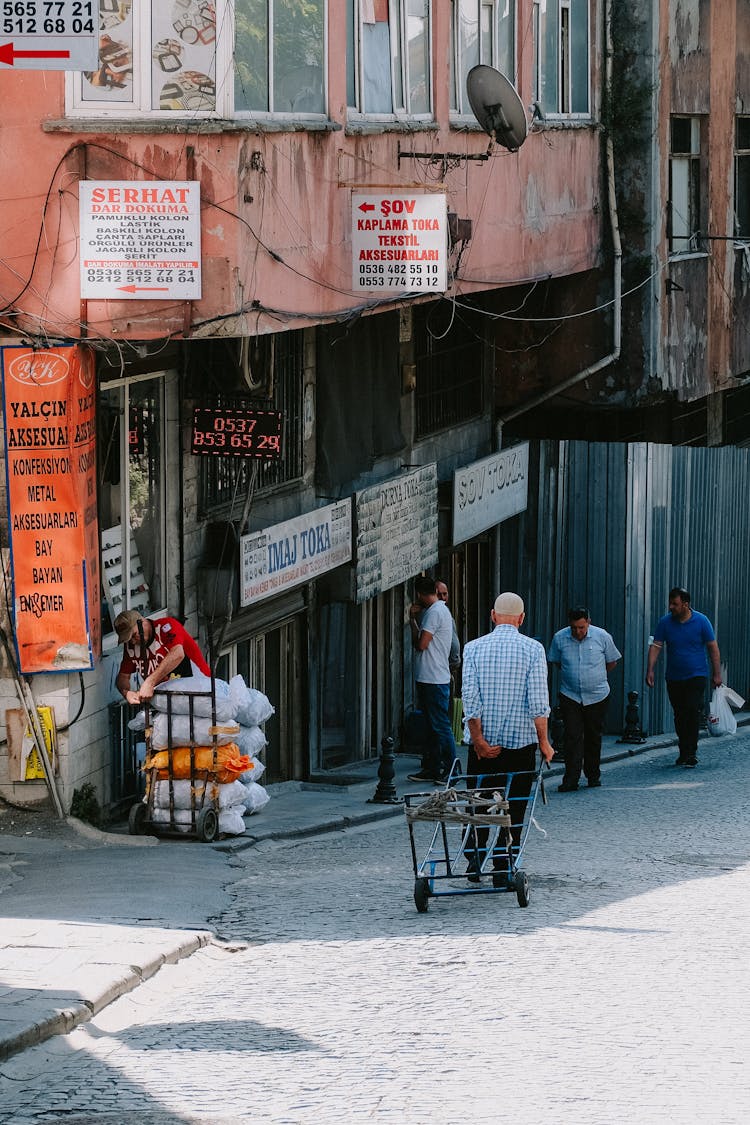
x=506, y=706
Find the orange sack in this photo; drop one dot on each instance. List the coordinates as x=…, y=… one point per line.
x=228, y=763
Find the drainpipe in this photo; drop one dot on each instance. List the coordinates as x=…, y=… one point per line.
x=614, y=355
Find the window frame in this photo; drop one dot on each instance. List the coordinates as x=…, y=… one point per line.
x=556, y=58
x=397, y=38
x=741, y=161
x=460, y=109
x=690, y=165
x=139, y=107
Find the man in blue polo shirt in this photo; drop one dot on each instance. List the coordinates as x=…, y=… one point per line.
x=585, y=654
x=688, y=635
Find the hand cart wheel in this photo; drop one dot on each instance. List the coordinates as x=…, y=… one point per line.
x=521, y=883
x=422, y=895
x=137, y=819
x=207, y=825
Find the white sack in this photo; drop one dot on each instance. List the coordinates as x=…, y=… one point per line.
x=230, y=820
x=255, y=774
x=252, y=706
x=230, y=794
x=256, y=797
x=251, y=741
x=225, y=732
x=226, y=707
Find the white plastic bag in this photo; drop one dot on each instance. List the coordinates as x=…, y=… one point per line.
x=256, y=797
x=199, y=685
x=251, y=707
x=721, y=718
x=181, y=732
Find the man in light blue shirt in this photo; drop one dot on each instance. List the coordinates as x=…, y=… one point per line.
x=585, y=655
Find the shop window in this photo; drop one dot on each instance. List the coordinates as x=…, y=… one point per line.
x=132, y=474
x=449, y=376
x=220, y=58
x=483, y=31
x=742, y=178
x=562, y=57
x=389, y=58
x=274, y=370
x=684, y=209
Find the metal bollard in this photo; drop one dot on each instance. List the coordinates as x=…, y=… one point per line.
x=557, y=731
x=385, y=794
x=632, y=732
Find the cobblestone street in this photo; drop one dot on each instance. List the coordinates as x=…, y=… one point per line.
x=619, y=995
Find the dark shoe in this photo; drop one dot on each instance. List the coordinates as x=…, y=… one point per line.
x=595, y=784
x=680, y=761
x=472, y=872
x=566, y=788
x=422, y=775
x=690, y=763
x=500, y=879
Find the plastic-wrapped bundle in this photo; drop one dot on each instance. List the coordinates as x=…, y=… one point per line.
x=256, y=797
x=255, y=774
x=252, y=707
x=201, y=734
x=228, y=763
x=227, y=794
x=251, y=741
x=230, y=820
x=226, y=706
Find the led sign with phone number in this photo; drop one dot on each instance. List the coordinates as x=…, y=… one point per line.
x=228, y=432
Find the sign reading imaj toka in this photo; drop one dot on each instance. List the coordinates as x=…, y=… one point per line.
x=140, y=240
x=295, y=551
x=49, y=411
x=397, y=530
x=399, y=242
x=41, y=35
x=489, y=491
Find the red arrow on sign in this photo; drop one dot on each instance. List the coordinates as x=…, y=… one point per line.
x=9, y=54
x=367, y=206
x=143, y=288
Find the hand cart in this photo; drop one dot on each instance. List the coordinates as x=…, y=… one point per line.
x=472, y=833
x=204, y=788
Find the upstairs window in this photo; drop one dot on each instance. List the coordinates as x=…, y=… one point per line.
x=684, y=209
x=205, y=58
x=742, y=178
x=561, y=57
x=483, y=31
x=389, y=58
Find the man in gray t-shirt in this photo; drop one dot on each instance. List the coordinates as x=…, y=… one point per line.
x=431, y=627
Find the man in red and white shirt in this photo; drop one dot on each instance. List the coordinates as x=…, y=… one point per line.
x=156, y=650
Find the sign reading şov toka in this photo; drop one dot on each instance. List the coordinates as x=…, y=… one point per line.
x=295, y=551
x=49, y=400
x=399, y=242
x=140, y=240
x=489, y=491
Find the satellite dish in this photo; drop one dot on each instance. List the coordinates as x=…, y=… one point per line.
x=497, y=106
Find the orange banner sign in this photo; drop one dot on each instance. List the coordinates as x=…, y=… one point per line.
x=50, y=454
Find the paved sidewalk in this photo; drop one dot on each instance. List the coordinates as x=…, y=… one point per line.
x=86, y=919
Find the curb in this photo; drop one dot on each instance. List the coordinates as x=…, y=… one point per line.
x=111, y=838
x=67, y=1019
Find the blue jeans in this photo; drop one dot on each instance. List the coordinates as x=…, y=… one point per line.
x=441, y=748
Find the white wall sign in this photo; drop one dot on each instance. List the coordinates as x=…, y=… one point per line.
x=397, y=530
x=399, y=242
x=39, y=35
x=140, y=240
x=490, y=491
x=295, y=551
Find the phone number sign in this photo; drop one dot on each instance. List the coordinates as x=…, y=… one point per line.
x=49, y=34
x=140, y=240
x=399, y=242
x=236, y=433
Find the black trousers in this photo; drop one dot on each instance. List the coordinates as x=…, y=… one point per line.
x=687, y=697
x=488, y=774
x=583, y=738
